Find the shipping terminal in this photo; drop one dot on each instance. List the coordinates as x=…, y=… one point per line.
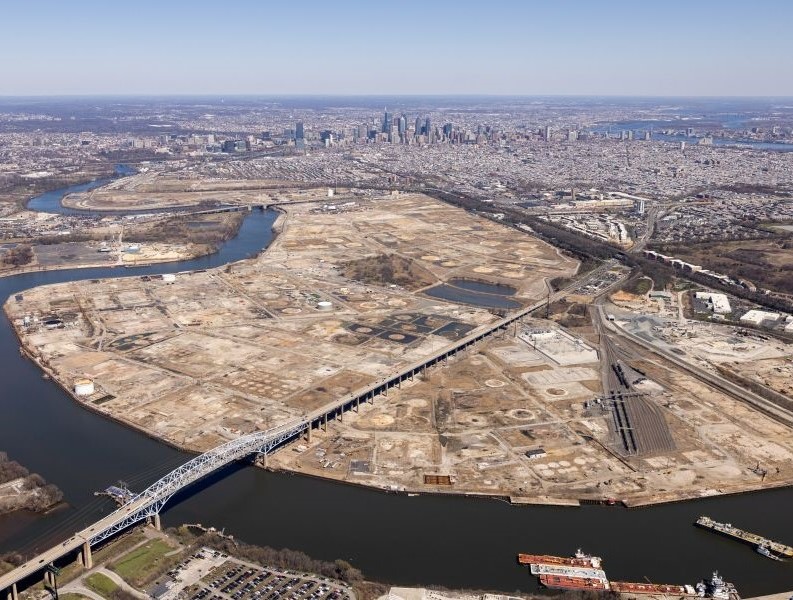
x=584, y=572
x=768, y=548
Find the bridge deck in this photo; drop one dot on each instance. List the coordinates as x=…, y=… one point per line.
x=163, y=489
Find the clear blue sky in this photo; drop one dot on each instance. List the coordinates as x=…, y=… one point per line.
x=638, y=47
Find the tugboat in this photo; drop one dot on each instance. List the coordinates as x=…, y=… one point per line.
x=717, y=588
x=766, y=551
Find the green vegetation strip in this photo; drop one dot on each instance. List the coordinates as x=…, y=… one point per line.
x=101, y=584
x=144, y=563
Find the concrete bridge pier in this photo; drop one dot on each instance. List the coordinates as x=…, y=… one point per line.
x=85, y=556
x=49, y=580
x=308, y=432
x=341, y=414
x=325, y=422
x=357, y=405
x=12, y=592
x=155, y=520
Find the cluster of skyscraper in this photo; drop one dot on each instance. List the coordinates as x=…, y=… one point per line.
x=398, y=131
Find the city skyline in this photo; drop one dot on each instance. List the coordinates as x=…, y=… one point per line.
x=353, y=48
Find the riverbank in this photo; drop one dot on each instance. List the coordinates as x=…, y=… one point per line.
x=501, y=422
x=22, y=490
x=453, y=541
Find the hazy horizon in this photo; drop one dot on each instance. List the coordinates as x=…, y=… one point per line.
x=252, y=95
x=350, y=48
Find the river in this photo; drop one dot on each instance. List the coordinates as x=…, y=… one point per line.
x=445, y=540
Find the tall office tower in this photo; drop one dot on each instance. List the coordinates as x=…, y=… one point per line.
x=299, y=131
x=386, y=122
x=418, y=126
x=403, y=125
x=428, y=129
x=363, y=132
x=546, y=133
x=647, y=136
x=447, y=130
x=630, y=134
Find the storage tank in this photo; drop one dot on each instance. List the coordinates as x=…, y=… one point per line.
x=84, y=387
x=324, y=305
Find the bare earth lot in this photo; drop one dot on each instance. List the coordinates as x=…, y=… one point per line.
x=216, y=354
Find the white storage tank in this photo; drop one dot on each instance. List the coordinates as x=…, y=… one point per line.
x=324, y=305
x=84, y=387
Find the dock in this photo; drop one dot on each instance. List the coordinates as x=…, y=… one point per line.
x=747, y=537
x=121, y=495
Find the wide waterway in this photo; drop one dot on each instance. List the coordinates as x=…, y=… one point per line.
x=451, y=541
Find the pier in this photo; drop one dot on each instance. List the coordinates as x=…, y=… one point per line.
x=745, y=536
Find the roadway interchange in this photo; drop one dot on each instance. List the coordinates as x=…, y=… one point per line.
x=149, y=503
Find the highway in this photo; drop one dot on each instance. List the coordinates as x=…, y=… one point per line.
x=148, y=503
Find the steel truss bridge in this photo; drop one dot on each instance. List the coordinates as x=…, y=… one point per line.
x=148, y=503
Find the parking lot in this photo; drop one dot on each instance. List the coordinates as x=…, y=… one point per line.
x=220, y=577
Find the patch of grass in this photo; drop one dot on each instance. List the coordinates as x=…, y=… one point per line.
x=639, y=286
x=145, y=563
x=72, y=596
x=389, y=269
x=117, y=546
x=101, y=584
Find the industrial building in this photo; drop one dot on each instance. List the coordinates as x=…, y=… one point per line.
x=717, y=303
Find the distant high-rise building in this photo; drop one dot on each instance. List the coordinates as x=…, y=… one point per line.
x=300, y=133
x=418, y=126
x=363, y=132
x=647, y=136
x=689, y=131
x=546, y=133
x=428, y=128
x=386, y=122
x=447, y=130
x=402, y=125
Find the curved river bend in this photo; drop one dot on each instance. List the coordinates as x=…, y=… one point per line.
x=450, y=541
